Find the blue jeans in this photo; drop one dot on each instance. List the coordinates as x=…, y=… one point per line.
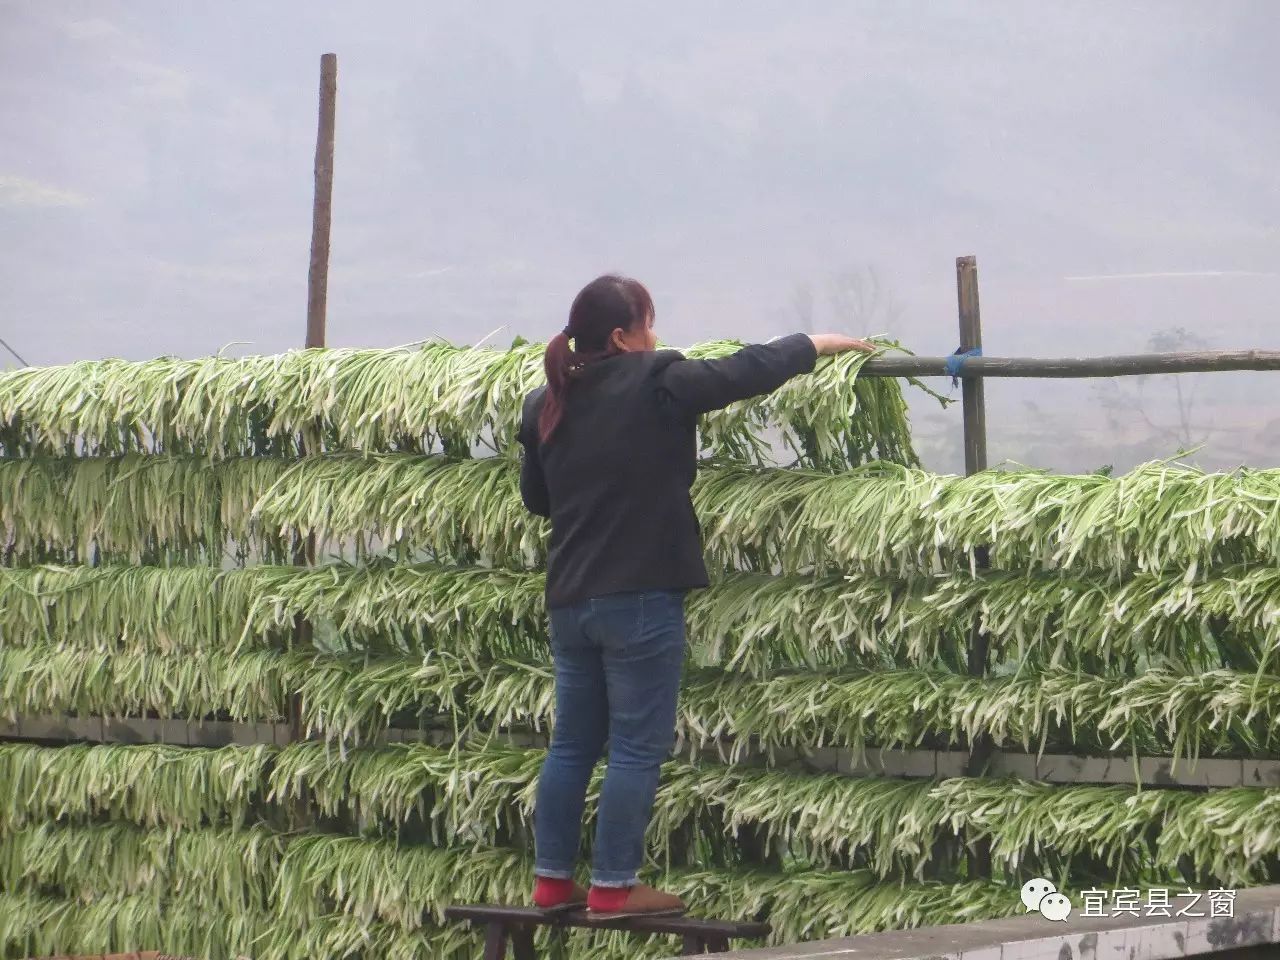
x=617, y=660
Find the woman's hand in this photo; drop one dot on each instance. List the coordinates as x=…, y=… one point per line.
x=828, y=344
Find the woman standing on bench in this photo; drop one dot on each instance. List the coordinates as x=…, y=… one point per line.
x=610, y=452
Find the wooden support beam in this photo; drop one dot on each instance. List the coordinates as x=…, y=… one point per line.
x=975, y=460
x=973, y=399
x=317, y=300
x=1137, y=365
x=317, y=314
x=322, y=207
x=1207, y=772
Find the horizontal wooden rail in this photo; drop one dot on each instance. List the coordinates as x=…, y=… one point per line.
x=874, y=762
x=1207, y=361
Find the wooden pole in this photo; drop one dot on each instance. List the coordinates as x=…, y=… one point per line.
x=322, y=208
x=1204, y=361
x=971, y=395
x=317, y=305
x=321, y=221
x=974, y=412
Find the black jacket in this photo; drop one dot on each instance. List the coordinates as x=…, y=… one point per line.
x=615, y=476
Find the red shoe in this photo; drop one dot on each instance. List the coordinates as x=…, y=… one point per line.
x=641, y=901
x=556, y=896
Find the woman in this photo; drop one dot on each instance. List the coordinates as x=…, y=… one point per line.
x=610, y=451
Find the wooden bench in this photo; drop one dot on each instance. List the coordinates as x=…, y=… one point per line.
x=504, y=924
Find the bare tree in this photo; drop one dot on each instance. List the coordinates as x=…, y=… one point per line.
x=802, y=304
x=857, y=296
x=856, y=299
x=1173, y=396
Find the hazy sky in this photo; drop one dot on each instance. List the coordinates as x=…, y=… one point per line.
x=155, y=182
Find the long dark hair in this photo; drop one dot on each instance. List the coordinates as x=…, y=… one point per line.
x=602, y=306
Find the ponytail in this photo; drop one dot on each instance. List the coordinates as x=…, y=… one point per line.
x=558, y=363
x=602, y=306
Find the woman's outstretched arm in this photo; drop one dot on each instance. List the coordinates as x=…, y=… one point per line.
x=698, y=386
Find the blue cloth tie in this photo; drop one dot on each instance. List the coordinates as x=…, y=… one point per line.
x=956, y=361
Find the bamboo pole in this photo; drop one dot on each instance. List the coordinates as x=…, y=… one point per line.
x=1204, y=361
x=971, y=390
x=973, y=401
x=322, y=206
x=317, y=308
